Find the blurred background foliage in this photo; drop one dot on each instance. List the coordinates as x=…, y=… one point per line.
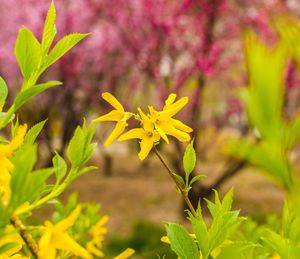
x=146, y=49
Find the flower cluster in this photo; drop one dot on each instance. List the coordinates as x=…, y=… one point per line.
x=153, y=125
x=6, y=166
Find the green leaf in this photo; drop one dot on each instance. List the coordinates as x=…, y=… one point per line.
x=181, y=242
x=25, y=95
x=189, y=159
x=27, y=52
x=33, y=133
x=49, y=31
x=86, y=170
x=180, y=179
x=62, y=47
x=200, y=230
x=80, y=147
x=196, y=179
x=24, y=160
x=264, y=96
x=60, y=166
x=3, y=92
x=238, y=250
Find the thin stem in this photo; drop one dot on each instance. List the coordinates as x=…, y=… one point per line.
x=27, y=238
x=178, y=184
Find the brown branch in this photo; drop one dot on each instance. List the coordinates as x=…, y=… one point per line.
x=27, y=238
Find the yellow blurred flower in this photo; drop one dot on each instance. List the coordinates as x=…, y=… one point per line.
x=147, y=134
x=118, y=115
x=6, y=166
x=11, y=236
x=98, y=231
x=54, y=238
x=166, y=125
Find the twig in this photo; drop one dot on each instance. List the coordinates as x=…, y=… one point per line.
x=178, y=184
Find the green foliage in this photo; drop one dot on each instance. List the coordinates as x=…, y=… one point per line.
x=80, y=147
x=263, y=100
x=34, y=132
x=181, y=242
x=189, y=159
x=27, y=94
x=3, y=92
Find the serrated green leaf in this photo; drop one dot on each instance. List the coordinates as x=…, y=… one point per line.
x=33, y=133
x=181, y=242
x=25, y=95
x=27, y=52
x=49, y=31
x=60, y=166
x=3, y=92
x=62, y=47
x=189, y=159
x=200, y=230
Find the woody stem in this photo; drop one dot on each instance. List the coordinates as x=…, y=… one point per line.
x=183, y=192
x=27, y=238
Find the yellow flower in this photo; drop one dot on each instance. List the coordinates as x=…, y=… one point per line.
x=147, y=134
x=6, y=165
x=166, y=125
x=11, y=236
x=54, y=237
x=98, y=231
x=119, y=115
x=126, y=254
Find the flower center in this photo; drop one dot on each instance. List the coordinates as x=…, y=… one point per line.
x=149, y=134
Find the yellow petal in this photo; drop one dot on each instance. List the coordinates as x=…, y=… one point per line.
x=7, y=150
x=171, y=130
x=147, y=123
x=63, y=241
x=92, y=248
x=118, y=130
x=112, y=101
x=181, y=126
x=162, y=133
x=47, y=253
x=126, y=254
x=46, y=249
x=146, y=145
x=171, y=98
x=138, y=133
x=165, y=239
x=177, y=106
x=69, y=221
x=114, y=115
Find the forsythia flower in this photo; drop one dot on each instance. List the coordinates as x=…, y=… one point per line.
x=11, y=236
x=119, y=115
x=97, y=232
x=54, y=237
x=166, y=125
x=6, y=165
x=147, y=134
x=156, y=125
